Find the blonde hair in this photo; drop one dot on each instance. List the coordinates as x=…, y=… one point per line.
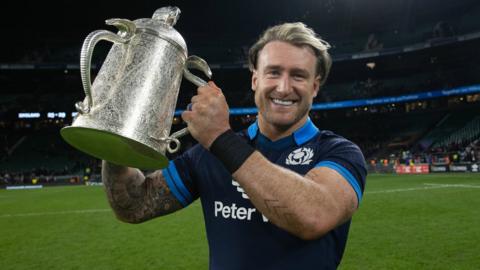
x=297, y=34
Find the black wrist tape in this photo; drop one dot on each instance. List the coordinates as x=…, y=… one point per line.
x=231, y=150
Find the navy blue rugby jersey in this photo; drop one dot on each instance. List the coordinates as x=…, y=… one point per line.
x=239, y=236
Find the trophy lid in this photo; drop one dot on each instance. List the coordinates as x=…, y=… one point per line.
x=161, y=25
x=168, y=15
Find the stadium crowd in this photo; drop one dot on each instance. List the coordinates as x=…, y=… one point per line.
x=31, y=150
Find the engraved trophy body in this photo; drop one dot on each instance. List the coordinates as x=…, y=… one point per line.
x=128, y=111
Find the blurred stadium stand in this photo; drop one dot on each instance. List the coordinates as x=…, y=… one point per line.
x=422, y=47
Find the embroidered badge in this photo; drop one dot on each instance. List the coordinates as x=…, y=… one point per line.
x=300, y=156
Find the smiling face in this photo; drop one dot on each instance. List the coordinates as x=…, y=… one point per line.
x=285, y=83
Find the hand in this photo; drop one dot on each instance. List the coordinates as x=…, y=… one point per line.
x=209, y=115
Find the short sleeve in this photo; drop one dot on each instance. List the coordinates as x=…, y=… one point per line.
x=347, y=159
x=181, y=177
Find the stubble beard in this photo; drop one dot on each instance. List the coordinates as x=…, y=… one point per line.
x=281, y=125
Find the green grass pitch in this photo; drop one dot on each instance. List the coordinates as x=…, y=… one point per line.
x=404, y=222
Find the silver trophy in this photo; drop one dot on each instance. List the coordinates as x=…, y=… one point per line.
x=128, y=111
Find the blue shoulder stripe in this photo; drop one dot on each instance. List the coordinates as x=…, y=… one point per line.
x=345, y=173
x=173, y=187
x=179, y=182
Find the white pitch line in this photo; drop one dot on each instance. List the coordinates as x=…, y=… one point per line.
x=86, y=211
x=428, y=186
x=453, y=185
x=403, y=189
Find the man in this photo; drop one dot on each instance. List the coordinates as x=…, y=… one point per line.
x=279, y=195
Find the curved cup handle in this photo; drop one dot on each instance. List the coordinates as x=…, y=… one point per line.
x=198, y=63
x=126, y=32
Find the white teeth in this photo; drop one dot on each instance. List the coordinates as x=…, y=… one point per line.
x=282, y=102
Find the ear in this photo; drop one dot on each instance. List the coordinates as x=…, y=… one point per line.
x=254, y=80
x=316, y=85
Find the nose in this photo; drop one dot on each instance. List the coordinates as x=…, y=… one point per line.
x=284, y=84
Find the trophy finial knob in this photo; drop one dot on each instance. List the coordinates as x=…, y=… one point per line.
x=168, y=15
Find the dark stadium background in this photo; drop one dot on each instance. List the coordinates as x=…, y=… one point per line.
x=405, y=86
x=380, y=49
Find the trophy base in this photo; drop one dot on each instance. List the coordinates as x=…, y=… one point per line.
x=113, y=148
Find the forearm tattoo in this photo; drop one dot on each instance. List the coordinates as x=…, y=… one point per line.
x=279, y=211
x=136, y=198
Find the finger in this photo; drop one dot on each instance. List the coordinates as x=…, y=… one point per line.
x=204, y=89
x=187, y=116
x=194, y=99
x=213, y=85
